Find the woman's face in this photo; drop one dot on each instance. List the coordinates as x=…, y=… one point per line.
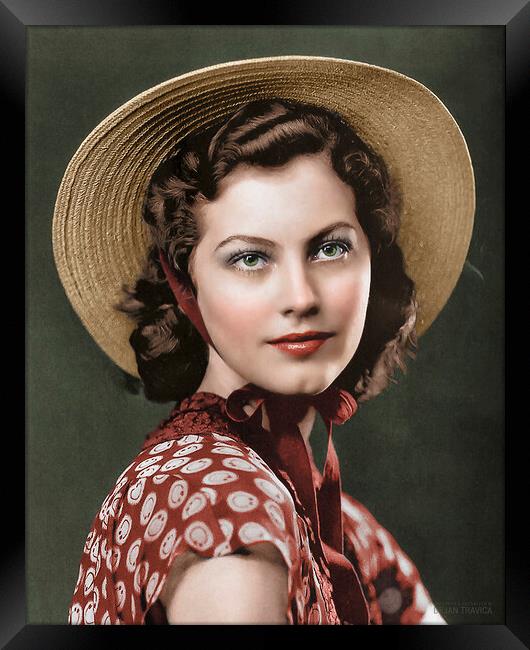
x=281, y=252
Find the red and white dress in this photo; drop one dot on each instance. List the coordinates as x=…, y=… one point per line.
x=197, y=486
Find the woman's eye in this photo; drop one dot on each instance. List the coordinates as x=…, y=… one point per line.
x=332, y=250
x=249, y=262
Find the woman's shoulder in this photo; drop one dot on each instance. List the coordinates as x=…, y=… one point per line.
x=207, y=460
x=206, y=494
x=212, y=488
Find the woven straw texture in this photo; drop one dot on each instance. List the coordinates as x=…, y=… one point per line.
x=100, y=240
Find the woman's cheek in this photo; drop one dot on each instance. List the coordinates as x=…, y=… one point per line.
x=236, y=315
x=348, y=298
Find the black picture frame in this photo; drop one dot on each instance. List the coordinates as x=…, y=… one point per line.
x=15, y=17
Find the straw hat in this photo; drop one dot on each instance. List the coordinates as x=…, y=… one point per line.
x=100, y=240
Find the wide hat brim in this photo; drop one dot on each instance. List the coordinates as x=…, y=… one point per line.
x=100, y=240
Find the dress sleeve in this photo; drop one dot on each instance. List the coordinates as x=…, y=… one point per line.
x=211, y=497
x=391, y=581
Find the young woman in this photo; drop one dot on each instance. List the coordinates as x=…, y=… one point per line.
x=273, y=289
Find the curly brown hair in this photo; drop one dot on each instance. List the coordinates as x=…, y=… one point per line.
x=170, y=353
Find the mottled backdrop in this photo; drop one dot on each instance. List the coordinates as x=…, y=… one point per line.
x=427, y=457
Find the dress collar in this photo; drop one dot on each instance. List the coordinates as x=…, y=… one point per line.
x=202, y=413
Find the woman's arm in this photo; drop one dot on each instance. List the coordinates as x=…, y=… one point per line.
x=234, y=588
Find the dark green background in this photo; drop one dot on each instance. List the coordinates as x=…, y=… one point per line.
x=427, y=457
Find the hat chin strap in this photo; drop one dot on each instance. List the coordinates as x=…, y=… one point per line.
x=185, y=298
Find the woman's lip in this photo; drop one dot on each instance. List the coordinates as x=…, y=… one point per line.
x=303, y=336
x=300, y=348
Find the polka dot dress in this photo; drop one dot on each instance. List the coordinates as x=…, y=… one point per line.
x=196, y=486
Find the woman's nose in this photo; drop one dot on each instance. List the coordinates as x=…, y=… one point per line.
x=298, y=293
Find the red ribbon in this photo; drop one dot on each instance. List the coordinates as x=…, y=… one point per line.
x=285, y=450
x=185, y=297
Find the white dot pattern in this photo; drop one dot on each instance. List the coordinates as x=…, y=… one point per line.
x=219, y=477
x=253, y=532
x=168, y=543
x=149, y=471
x=147, y=508
x=163, y=446
x=132, y=555
x=199, y=536
x=197, y=465
x=188, y=450
x=239, y=463
x=186, y=440
x=242, y=501
x=135, y=492
x=147, y=462
x=194, y=504
x=156, y=525
x=173, y=464
x=275, y=514
x=230, y=451
x=177, y=493
x=212, y=495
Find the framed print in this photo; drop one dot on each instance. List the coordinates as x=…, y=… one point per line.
x=422, y=463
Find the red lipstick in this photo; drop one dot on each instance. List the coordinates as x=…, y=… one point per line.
x=301, y=344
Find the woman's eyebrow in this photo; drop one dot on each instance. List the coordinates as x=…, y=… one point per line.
x=268, y=242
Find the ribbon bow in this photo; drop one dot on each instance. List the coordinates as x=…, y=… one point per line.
x=284, y=448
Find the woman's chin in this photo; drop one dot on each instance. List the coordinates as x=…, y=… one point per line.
x=302, y=386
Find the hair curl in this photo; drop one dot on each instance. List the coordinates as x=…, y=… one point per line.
x=170, y=353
